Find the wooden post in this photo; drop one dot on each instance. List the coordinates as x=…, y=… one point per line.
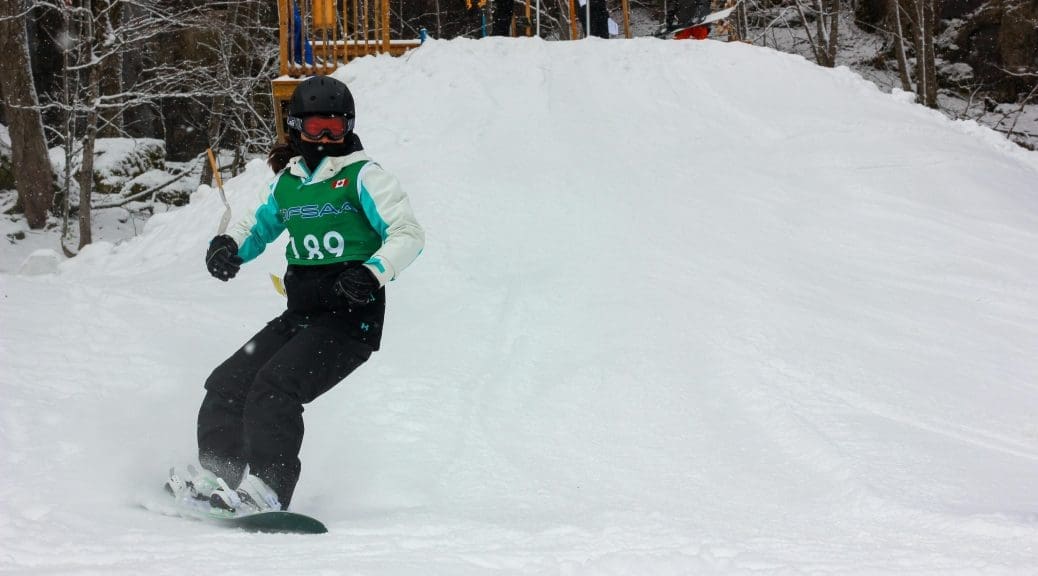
x=345, y=31
x=283, y=36
x=356, y=21
x=529, y=30
x=572, y=19
x=385, y=26
x=324, y=14
x=303, y=67
x=364, y=25
x=626, y=4
x=319, y=34
x=333, y=50
x=281, y=90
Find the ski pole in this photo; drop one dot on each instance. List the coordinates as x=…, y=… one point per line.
x=226, y=218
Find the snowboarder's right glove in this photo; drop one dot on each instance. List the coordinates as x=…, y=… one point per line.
x=222, y=258
x=357, y=285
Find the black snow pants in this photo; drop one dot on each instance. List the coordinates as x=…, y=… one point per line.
x=252, y=413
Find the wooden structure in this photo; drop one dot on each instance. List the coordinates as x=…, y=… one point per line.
x=319, y=36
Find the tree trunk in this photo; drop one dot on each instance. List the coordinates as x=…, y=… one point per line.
x=834, y=30
x=69, y=128
x=815, y=45
x=920, y=50
x=33, y=175
x=899, y=45
x=110, y=18
x=924, y=13
x=822, y=33
x=930, y=33
x=86, y=168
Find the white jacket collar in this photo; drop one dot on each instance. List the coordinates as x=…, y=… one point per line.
x=330, y=166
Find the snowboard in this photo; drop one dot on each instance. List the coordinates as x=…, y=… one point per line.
x=274, y=522
x=671, y=32
x=277, y=522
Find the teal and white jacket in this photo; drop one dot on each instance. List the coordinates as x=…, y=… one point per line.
x=349, y=208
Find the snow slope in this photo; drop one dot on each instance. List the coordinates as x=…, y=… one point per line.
x=685, y=308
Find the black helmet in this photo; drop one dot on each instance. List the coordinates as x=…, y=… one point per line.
x=321, y=95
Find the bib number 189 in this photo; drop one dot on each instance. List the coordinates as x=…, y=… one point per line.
x=332, y=245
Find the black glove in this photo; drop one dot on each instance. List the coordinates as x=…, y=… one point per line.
x=357, y=285
x=222, y=258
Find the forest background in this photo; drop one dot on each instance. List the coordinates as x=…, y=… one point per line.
x=112, y=104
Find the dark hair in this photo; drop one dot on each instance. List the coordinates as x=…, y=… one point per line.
x=279, y=156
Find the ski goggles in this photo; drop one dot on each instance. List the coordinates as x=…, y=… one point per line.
x=314, y=127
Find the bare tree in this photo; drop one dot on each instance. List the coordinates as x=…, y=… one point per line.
x=245, y=58
x=924, y=17
x=227, y=82
x=916, y=20
x=1023, y=103
x=827, y=30
x=34, y=178
x=898, y=31
x=93, y=88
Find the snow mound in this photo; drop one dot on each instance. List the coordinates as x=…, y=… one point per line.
x=685, y=307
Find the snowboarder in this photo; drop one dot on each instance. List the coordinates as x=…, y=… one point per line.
x=694, y=20
x=687, y=13
x=351, y=230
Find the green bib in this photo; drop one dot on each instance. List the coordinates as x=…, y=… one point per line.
x=325, y=220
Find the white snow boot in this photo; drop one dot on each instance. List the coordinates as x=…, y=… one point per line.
x=191, y=482
x=253, y=495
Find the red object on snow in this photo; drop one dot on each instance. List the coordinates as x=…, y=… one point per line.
x=694, y=33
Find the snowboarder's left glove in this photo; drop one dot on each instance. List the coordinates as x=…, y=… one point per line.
x=222, y=258
x=357, y=285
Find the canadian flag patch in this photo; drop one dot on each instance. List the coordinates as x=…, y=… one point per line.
x=341, y=183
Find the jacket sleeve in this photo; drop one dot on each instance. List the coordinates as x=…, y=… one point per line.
x=389, y=211
x=254, y=232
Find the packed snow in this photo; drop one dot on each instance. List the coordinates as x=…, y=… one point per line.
x=684, y=308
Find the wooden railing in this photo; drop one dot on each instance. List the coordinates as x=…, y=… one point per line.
x=319, y=36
